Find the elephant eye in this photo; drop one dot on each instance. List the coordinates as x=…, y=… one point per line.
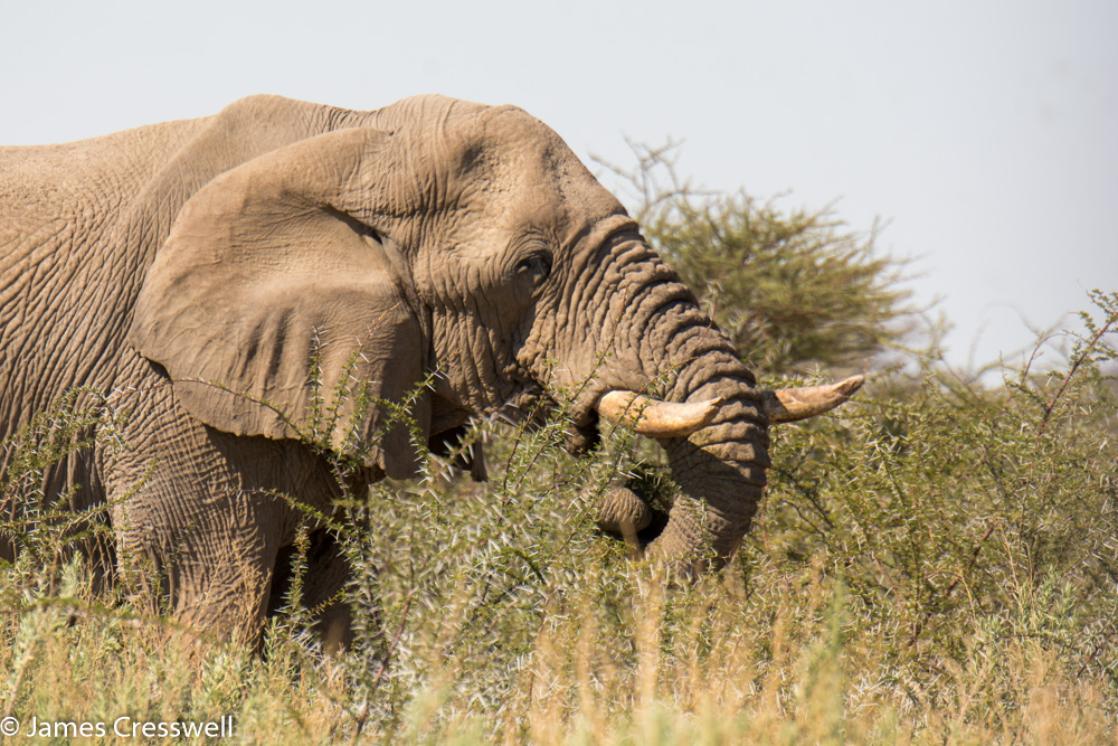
x=536, y=267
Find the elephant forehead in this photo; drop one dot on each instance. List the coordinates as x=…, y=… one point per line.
x=487, y=175
x=509, y=148
x=540, y=186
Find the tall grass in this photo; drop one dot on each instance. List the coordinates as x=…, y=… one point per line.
x=938, y=562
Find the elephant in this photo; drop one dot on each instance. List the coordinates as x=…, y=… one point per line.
x=228, y=279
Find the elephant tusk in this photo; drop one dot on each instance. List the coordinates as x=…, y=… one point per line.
x=789, y=405
x=656, y=418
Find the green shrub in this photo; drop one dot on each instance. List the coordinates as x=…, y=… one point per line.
x=794, y=289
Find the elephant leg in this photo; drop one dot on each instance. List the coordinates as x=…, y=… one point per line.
x=70, y=478
x=211, y=571
x=229, y=597
x=199, y=516
x=324, y=583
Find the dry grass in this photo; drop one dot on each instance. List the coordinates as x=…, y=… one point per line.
x=721, y=672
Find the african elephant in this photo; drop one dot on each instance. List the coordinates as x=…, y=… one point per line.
x=224, y=279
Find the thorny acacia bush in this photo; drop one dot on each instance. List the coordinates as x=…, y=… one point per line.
x=937, y=564
x=938, y=561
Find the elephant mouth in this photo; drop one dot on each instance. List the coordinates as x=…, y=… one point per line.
x=657, y=523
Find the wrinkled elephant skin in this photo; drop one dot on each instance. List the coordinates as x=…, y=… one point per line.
x=199, y=275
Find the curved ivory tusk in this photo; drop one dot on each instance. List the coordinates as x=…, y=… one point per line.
x=656, y=418
x=789, y=405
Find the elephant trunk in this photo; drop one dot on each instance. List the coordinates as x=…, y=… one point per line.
x=720, y=467
x=681, y=356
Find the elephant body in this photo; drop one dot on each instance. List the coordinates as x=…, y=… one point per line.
x=249, y=291
x=80, y=225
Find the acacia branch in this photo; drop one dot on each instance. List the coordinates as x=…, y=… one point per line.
x=1075, y=365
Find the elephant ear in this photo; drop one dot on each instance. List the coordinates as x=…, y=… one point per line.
x=277, y=310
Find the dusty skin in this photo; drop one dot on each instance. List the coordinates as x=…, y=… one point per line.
x=225, y=280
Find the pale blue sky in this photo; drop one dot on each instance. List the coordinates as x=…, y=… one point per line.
x=984, y=132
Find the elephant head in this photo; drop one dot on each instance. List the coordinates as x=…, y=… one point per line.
x=442, y=237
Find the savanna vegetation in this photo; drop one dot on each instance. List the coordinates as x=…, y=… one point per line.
x=937, y=562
